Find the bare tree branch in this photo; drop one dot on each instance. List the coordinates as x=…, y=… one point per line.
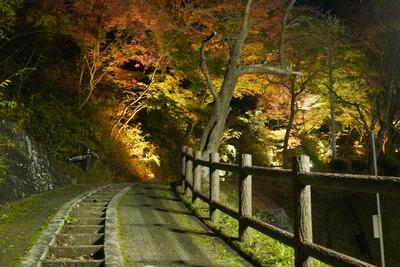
x=358, y=108
x=242, y=35
x=266, y=69
x=17, y=36
x=304, y=83
x=142, y=96
x=204, y=67
x=245, y=24
x=230, y=42
x=136, y=111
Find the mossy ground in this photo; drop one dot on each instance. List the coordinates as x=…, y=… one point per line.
x=21, y=222
x=262, y=250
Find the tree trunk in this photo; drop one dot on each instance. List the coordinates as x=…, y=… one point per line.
x=386, y=120
x=86, y=100
x=332, y=99
x=289, y=126
x=213, y=132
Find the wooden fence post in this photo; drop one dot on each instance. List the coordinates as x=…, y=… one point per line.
x=183, y=166
x=302, y=212
x=245, y=207
x=196, y=177
x=214, y=189
x=189, y=171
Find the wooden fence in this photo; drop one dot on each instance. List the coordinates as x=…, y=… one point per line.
x=301, y=177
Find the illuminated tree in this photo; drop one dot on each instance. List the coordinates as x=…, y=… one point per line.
x=303, y=52
x=375, y=25
x=383, y=43
x=213, y=131
x=332, y=29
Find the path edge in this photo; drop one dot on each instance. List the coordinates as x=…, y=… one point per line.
x=40, y=249
x=220, y=238
x=112, y=248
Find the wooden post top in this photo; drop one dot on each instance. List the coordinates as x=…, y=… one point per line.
x=246, y=160
x=189, y=151
x=214, y=157
x=301, y=163
x=198, y=155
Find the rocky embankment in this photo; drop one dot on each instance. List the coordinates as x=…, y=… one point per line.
x=25, y=167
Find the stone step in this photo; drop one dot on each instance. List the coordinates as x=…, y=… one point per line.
x=79, y=239
x=99, y=197
x=80, y=242
x=87, y=221
x=88, y=208
x=73, y=263
x=91, y=204
x=87, y=214
x=82, y=229
x=105, y=198
x=96, y=200
x=89, y=252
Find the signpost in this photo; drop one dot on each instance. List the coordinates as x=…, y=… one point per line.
x=85, y=159
x=377, y=219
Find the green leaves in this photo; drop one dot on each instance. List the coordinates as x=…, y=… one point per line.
x=5, y=83
x=8, y=9
x=68, y=219
x=4, y=103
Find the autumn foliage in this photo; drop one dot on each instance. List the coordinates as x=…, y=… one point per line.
x=136, y=65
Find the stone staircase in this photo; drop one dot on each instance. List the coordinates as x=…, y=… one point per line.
x=80, y=241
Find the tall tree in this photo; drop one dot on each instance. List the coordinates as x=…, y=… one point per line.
x=303, y=51
x=332, y=29
x=376, y=25
x=213, y=131
x=384, y=46
x=295, y=88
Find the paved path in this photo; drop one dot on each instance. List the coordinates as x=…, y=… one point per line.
x=157, y=230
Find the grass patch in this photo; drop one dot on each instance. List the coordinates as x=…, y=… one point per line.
x=22, y=221
x=261, y=250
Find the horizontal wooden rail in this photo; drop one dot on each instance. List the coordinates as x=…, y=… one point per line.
x=331, y=257
x=189, y=186
x=202, y=196
x=225, y=166
x=189, y=156
x=270, y=230
x=202, y=162
x=301, y=178
x=351, y=182
x=272, y=174
x=226, y=209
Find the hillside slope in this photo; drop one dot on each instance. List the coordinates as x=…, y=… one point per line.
x=25, y=166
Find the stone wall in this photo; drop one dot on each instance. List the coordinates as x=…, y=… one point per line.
x=25, y=167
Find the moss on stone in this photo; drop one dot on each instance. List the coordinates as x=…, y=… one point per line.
x=120, y=233
x=22, y=221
